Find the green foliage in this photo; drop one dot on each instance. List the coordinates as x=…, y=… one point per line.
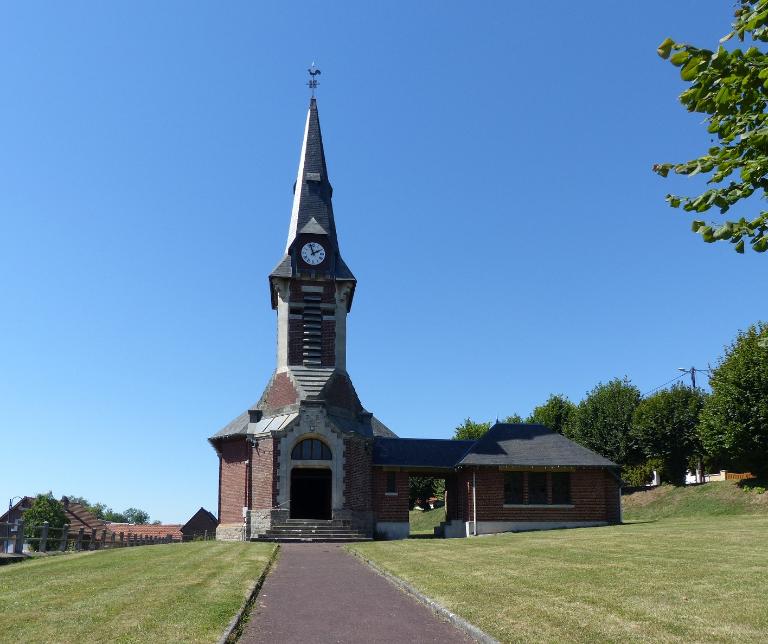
x=734, y=421
x=603, y=421
x=731, y=88
x=422, y=488
x=665, y=426
x=555, y=413
x=105, y=513
x=514, y=419
x=470, y=430
x=44, y=508
x=134, y=515
x=639, y=475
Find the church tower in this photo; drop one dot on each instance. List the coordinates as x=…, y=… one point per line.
x=304, y=450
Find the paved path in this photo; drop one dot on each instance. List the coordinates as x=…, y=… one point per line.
x=318, y=593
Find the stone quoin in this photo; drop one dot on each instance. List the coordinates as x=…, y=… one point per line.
x=308, y=460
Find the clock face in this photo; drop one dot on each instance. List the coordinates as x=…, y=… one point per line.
x=312, y=253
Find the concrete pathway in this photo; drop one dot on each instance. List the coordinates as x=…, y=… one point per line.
x=318, y=593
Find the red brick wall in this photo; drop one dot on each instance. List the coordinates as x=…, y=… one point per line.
x=328, y=356
x=232, y=480
x=590, y=492
x=281, y=392
x=390, y=508
x=295, y=341
x=612, y=498
x=452, y=499
x=263, y=471
x=357, y=474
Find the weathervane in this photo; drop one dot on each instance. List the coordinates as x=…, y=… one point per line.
x=313, y=82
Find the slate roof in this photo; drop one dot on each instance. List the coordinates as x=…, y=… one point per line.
x=313, y=191
x=530, y=445
x=368, y=427
x=419, y=452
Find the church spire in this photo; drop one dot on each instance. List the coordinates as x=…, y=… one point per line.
x=312, y=191
x=312, y=220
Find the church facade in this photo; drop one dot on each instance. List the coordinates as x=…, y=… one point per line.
x=307, y=460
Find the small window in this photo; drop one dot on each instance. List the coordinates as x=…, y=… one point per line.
x=391, y=483
x=513, y=488
x=311, y=449
x=537, y=488
x=561, y=488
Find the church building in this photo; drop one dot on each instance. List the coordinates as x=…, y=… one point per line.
x=308, y=461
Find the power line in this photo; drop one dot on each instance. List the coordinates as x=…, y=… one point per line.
x=669, y=382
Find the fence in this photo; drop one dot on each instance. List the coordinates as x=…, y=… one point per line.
x=44, y=538
x=737, y=476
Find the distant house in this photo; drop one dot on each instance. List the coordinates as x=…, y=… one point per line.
x=148, y=529
x=202, y=522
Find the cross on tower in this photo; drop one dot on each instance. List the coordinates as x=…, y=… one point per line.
x=313, y=82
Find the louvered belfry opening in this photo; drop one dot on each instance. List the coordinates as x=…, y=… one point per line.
x=312, y=342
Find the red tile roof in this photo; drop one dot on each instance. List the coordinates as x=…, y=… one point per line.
x=148, y=529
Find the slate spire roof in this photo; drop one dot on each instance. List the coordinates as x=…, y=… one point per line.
x=312, y=191
x=312, y=210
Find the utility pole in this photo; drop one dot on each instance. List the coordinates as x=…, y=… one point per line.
x=692, y=371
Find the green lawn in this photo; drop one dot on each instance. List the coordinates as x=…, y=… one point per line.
x=672, y=580
x=425, y=522
x=165, y=593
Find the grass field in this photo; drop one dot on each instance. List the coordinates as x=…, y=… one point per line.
x=724, y=498
x=700, y=576
x=425, y=522
x=166, y=593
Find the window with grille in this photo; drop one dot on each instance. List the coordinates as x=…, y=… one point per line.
x=561, y=488
x=537, y=488
x=513, y=488
x=311, y=449
x=391, y=483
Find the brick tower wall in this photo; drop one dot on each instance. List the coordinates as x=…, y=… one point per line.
x=232, y=481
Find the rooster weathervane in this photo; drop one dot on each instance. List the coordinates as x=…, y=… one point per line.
x=313, y=82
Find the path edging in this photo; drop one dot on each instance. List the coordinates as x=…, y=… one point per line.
x=250, y=598
x=461, y=623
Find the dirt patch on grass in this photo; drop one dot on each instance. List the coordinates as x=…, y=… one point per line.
x=644, y=497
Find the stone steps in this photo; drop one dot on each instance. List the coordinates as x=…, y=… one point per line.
x=312, y=539
x=309, y=530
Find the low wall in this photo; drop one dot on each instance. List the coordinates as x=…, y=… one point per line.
x=230, y=532
x=390, y=530
x=494, y=527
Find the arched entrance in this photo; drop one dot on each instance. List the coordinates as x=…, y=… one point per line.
x=310, y=493
x=311, y=484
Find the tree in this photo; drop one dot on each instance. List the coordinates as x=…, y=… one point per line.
x=555, y=413
x=423, y=488
x=731, y=88
x=665, y=426
x=734, y=421
x=470, y=430
x=44, y=508
x=514, y=419
x=603, y=421
x=134, y=515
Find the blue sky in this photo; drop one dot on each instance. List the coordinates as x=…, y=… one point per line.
x=493, y=195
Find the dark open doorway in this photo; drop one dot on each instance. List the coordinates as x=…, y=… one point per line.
x=310, y=493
